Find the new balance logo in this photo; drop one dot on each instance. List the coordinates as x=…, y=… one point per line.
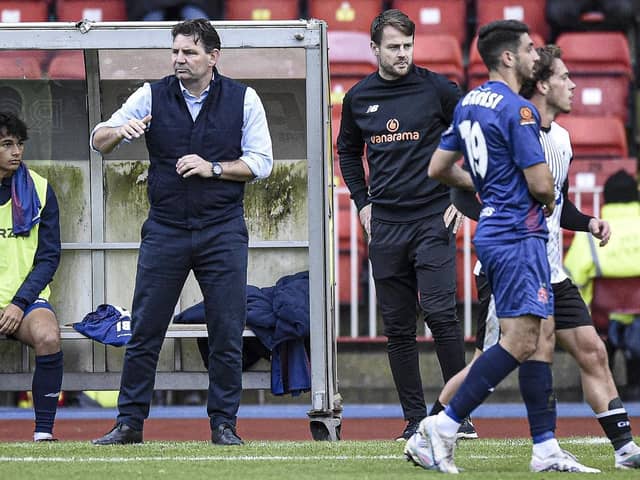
x=372, y=109
x=53, y=395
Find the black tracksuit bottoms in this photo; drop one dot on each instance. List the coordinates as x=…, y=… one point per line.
x=414, y=264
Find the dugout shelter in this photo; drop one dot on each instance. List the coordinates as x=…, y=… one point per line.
x=63, y=78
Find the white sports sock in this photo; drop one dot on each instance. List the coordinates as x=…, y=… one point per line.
x=38, y=436
x=547, y=448
x=447, y=425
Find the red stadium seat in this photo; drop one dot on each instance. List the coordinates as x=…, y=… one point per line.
x=346, y=14
x=600, y=65
x=350, y=54
x=94, y=10
x=531, y=12
x=24, y=64
x=587, y=175
x=601, y=96
x=619, y=295
x=596, y=137
x=594, y=172
x=336, y=114
x=591, y=52
x=24, y=11
x=67, y=65
x=343, y=208
x=340, y=85
x=446, y=17
x=477, y=71
x=440, y=53
x=344, y=248
x=460, y=264
x=262, y=10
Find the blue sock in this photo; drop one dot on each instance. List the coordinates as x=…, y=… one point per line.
x=47, y=381
x=536, y=388
x=485, y=374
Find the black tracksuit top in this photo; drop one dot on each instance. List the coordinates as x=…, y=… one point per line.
x=400, y=122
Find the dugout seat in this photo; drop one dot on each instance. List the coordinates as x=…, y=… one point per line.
x=477, y=71
x=262, y=10
x=24, y=11
x=67, y=65
x=437, y=17
x=596, y=137
x=619, y=295
x=440, y=53
x=531, y=12
x=21, y=64
x=600, y=66
x=94, y=10
x=353, y=15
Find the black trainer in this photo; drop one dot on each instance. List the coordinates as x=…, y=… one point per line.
x=409, y=430
x=467, y=431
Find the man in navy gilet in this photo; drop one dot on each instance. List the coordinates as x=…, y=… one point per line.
x=206, y=135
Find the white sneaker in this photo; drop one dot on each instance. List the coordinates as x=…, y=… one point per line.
x=441, y=448
x=418, y=452
x=560, y=461
x=629, y=459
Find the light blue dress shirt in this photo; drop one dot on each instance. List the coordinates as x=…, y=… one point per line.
x=256, y=147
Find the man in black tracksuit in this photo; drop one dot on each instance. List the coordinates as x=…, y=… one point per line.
x=399, y=112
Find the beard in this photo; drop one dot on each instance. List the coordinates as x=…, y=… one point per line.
x=391, y=71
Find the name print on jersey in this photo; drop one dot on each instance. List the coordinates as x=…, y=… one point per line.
x=482, y=98
x=393, y=125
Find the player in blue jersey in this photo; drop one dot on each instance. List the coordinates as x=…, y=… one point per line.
x=498, y=132
x=551, y=91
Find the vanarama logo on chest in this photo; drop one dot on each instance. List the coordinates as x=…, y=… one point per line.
x=394, y=136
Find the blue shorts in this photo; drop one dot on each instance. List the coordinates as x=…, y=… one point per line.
x=39, y=303
x=519, y=276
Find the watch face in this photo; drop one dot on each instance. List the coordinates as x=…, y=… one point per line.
x=217, y=169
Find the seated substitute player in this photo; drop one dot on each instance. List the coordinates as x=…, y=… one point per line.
x=551, y=91
x=498, y=132
x=29, y=257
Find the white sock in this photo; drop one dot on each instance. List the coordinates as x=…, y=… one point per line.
x=37, y=436
x=447, y=426
x=547, y=448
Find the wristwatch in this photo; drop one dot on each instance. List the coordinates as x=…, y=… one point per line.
x=216, y=169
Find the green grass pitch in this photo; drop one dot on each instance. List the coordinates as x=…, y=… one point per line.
x=480, y=459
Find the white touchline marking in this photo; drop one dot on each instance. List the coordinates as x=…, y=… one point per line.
x=195, y=459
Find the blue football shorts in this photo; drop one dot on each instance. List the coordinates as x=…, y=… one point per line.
x=39, y=303
x=519, y=276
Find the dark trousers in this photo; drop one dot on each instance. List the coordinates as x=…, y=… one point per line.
x=415, y=264
x=218, y=257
